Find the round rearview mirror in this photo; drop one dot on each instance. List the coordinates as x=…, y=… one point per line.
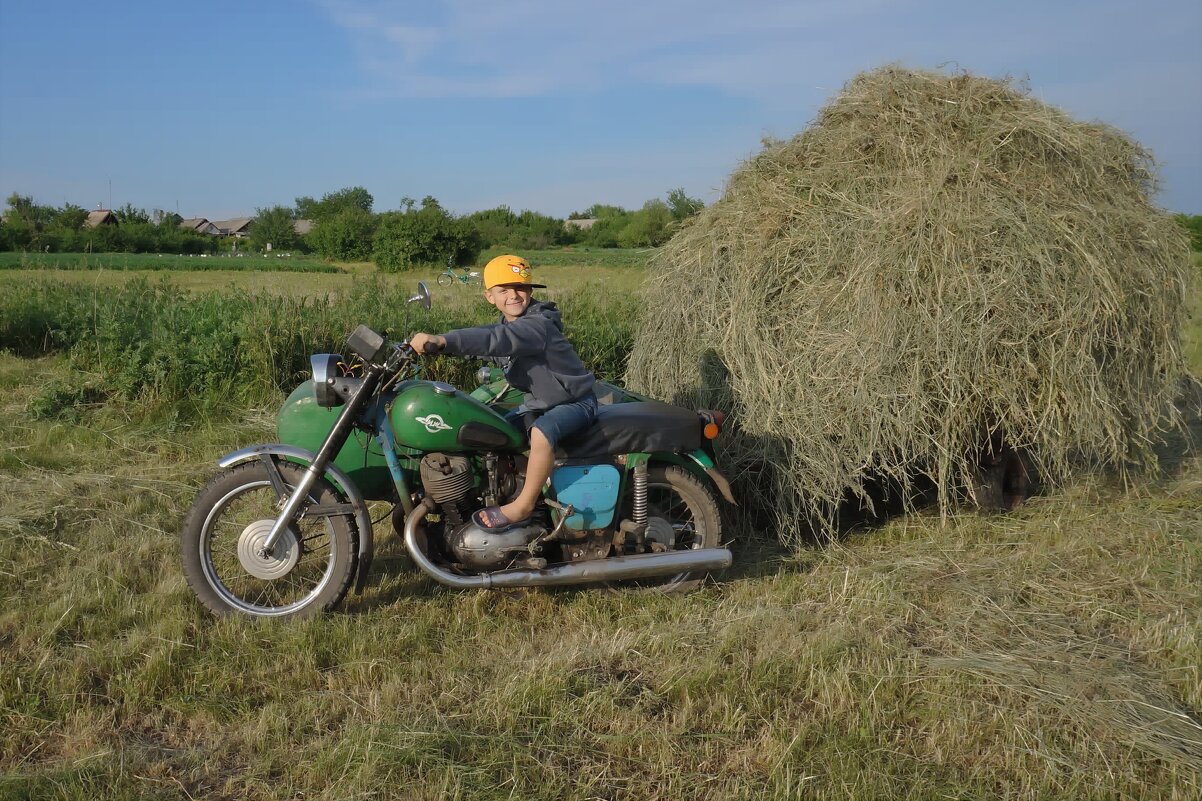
x=422, y=296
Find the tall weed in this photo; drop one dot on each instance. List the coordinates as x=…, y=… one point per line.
x=165, y=351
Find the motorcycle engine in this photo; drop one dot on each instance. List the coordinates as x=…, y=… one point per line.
x=448, y=481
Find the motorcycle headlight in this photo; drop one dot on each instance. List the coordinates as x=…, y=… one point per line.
x=325, y=372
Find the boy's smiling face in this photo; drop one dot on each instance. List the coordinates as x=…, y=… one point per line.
x=510, y=299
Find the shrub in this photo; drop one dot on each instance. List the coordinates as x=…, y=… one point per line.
x=273, y=226
x=345, y=236
x=163, y=351
x=424, y=237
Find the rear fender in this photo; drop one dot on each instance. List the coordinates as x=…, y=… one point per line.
x=700, y=464
x=268, y=454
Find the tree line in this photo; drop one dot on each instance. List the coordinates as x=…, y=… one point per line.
x=29, y=226
x=345, y=227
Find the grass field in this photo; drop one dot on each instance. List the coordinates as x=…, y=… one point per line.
x=162, y=261
x=1051, y=653
x=562, y=270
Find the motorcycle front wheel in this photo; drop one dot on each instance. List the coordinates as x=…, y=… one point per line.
x=312, y=564
x=445, y=279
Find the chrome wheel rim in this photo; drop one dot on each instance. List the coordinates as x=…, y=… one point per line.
x=296, y=574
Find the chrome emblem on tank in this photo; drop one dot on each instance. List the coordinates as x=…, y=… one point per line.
x=433, y=423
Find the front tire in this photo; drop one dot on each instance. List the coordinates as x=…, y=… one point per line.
x=445, y=279
x=309, y=573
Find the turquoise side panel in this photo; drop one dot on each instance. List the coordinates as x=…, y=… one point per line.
x=593, y=492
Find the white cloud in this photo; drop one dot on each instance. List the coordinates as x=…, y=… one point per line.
x=1136, y=67
x=469, y=48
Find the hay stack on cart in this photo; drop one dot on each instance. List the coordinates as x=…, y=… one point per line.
x=938, y=274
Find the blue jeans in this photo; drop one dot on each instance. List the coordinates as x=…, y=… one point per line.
x=563, y=420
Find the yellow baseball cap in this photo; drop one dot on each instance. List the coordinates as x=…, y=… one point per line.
x=509, y=270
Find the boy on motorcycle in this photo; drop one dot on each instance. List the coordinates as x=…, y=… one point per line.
x=539, y=360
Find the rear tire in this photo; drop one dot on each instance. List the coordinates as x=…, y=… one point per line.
x=238, y=506
x=677, y=496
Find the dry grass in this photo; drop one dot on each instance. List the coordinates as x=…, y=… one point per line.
x=939, y=264
x=1052, y=653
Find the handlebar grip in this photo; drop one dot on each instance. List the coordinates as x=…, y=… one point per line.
x=432, y=347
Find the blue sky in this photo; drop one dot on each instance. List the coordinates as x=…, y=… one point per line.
x=216, y=109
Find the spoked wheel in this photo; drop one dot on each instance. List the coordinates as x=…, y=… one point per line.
x=682, y=514
x=309, y=570
x=445, y=279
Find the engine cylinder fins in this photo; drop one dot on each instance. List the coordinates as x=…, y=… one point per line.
x=446, y=478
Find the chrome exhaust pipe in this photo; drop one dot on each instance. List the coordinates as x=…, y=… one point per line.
x=618, y=568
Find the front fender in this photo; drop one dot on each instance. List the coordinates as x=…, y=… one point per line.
x=336, y=475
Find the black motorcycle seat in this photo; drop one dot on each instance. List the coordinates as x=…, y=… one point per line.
x=639, y=427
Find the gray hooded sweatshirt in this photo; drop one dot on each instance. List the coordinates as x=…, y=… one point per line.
x=536, y=356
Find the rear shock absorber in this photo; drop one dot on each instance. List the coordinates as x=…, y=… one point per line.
x=640, y=495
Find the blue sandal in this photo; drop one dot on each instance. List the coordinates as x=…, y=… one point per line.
x=492, y=519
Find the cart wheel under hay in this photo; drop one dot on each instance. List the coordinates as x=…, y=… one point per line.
x=1002, y=480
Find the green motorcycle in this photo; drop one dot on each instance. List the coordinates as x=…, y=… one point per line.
x=284, y=529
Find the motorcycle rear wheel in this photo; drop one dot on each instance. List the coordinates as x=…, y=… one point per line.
x=675, y=495
x=310, y=573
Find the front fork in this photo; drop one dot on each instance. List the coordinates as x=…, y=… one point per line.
x=329, y=449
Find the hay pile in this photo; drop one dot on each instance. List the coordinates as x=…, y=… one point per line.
x=938, y=264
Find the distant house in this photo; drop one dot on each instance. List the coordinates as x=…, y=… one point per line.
x=582, y=225
x=200, y=225
x=238, y=227
x=302, y=227
x=100, y=217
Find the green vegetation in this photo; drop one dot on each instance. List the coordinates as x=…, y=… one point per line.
x=1193, y=224
x=28, y=226
x=651, y=226
x=579, y=257
x=503, y=229
x=1049, y=653
x=274, y=227
x=345, y=229
x=1191, y=335
x=346, y=236
x=165, y=352
x=333, y=203
x=428, y=236
x=276, y=262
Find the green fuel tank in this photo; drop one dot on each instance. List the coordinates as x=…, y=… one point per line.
x=433, y=416
x=303, y=423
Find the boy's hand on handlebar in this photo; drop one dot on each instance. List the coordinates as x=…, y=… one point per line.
x=427, y=343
